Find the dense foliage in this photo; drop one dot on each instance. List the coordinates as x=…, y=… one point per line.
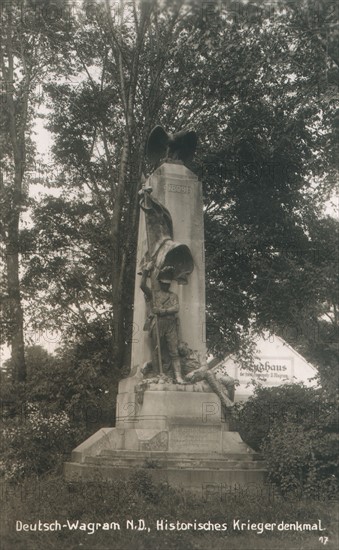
x=65, y=399
x=296, y=429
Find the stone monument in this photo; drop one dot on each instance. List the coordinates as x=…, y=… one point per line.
x=172, y=410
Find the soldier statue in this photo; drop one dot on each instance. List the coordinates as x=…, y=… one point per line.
x=162, y=321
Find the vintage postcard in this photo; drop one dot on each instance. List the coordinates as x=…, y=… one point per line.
x=169, y=259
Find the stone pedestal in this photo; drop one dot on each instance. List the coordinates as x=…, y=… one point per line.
x=178, y=434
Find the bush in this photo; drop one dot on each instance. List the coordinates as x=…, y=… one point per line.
x=296, y=429
x=142, y=484
x=70, y=381
x=65, y=399
x=257, y=415
x=34, y=443
x=302, y=461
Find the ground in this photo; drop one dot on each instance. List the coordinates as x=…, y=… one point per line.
x=51, y=499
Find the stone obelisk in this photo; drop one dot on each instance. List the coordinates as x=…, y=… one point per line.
x=180, y=191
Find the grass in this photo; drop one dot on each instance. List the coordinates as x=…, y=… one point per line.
x=51, y=498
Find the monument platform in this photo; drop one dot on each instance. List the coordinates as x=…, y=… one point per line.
x=187, y=443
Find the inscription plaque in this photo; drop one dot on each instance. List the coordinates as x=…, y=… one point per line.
x=195, y=439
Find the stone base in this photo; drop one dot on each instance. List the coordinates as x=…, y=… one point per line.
x=184, y=437
x=186, y=444
x=198, y=473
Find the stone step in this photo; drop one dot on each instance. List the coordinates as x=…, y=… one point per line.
x=181, y=456
x=198, y=480
x=176, y=464
x=193, y=463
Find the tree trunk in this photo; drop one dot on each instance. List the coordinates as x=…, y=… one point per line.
x=16, y=341
x=17, y=125
x=118, y=239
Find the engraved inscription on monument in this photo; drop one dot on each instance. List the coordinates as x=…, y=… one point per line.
x=188, y=439
x=177, y=188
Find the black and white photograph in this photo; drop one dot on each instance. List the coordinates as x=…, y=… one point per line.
x=169, y=331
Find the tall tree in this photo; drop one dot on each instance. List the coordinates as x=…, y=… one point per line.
x=100, y=128
x=27, y=48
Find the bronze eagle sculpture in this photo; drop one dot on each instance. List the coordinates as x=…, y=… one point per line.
x=163, y=146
